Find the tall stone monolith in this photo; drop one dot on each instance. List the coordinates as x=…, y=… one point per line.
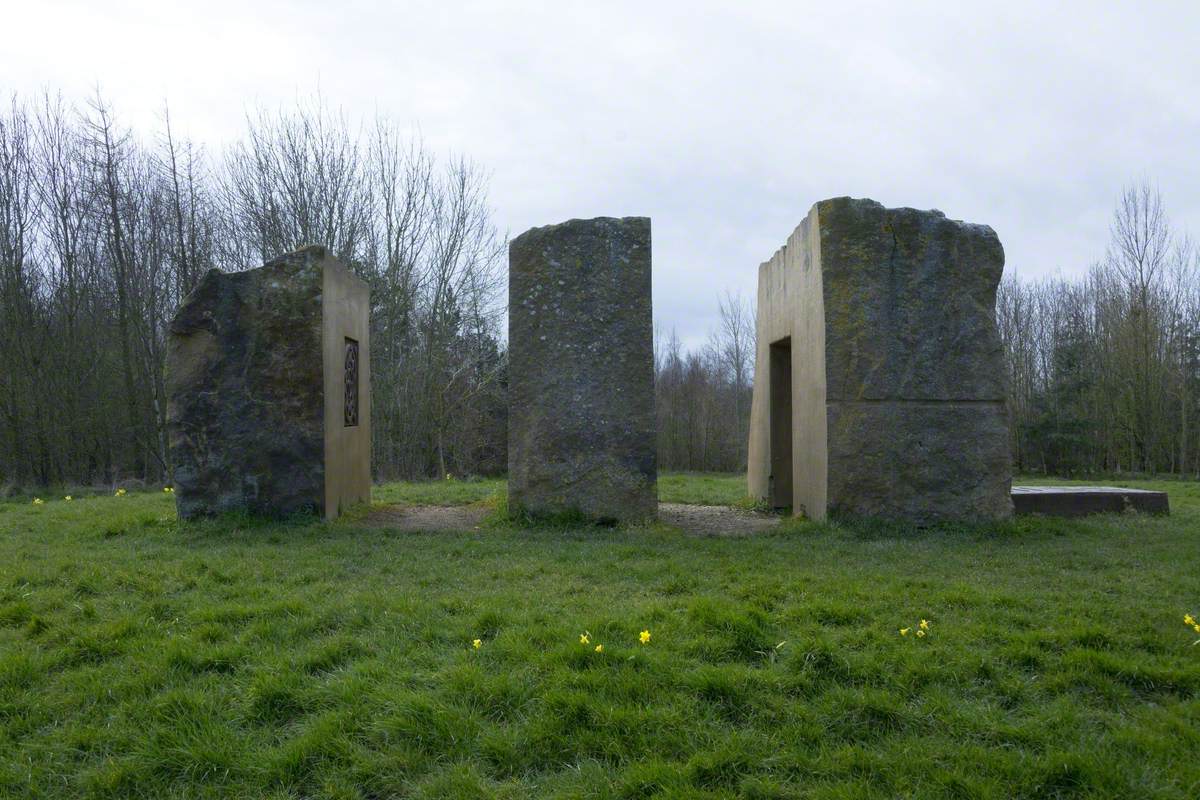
x=268, y=384
x=581, y=432
x=880, y=376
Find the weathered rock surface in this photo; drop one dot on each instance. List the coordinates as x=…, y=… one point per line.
x=247, y=388
x=581, y=371
x=897, y=375
x=922, y=462
x=910, y=304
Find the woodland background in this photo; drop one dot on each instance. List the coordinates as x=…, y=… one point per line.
x=103, y=230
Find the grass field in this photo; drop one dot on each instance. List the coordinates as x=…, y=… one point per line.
x=144, y=658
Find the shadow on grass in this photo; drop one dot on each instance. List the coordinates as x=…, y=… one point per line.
x=246, y=527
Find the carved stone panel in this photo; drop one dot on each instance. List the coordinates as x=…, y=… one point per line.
x=351, y=401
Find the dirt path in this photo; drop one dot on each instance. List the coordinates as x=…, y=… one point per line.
x=715, y=520
x=427, y=518
x=693, y=520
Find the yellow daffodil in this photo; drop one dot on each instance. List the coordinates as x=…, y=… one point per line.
x=924, y=624
x=599, y=648
x=37, y=501
x=1188, y=619
x=584, y=639
x=644, y=637
x=119, y=493
x=920, y=633
x=1196, y=628
x=68, y=498
x=477, y=643
x=904, y=631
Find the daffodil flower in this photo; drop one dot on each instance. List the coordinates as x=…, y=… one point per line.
x=924, y=624
x=920, y=633
x=644, y=637
x=584, y=639
x=68, y=498
x=599, y=648
x=1188, y=619
x=37, y=501
x=904, y=631
x=477, y=643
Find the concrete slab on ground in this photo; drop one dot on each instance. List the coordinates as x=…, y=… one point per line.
x=1079, y=501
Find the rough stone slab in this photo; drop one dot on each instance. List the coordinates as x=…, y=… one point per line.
x=924, y=462
x=253, y=374
x=1079, y=501
x=910, y=304
x=581, y=371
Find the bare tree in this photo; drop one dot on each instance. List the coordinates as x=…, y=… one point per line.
x=102, y=235
x=702, y=398
x=18, y=287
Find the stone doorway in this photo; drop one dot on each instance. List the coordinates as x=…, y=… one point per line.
x=781, y=423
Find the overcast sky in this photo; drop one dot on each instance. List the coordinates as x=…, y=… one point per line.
x=723, y=123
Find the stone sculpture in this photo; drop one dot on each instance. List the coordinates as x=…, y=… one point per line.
x=880, y=378
x=581, y=430
x=268, y=390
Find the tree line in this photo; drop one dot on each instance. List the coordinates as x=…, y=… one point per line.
x=1104, y=370
x=103, y=231
x=702, y=395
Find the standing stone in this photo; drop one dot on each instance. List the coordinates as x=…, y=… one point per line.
x=268, y=390
x=880, y=377
x=581, y=371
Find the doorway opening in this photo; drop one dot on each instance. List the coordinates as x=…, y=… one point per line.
x=780, y=480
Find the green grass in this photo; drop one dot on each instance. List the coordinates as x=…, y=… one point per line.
x=439, y=493
x=703, y=488
x=233, y=658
